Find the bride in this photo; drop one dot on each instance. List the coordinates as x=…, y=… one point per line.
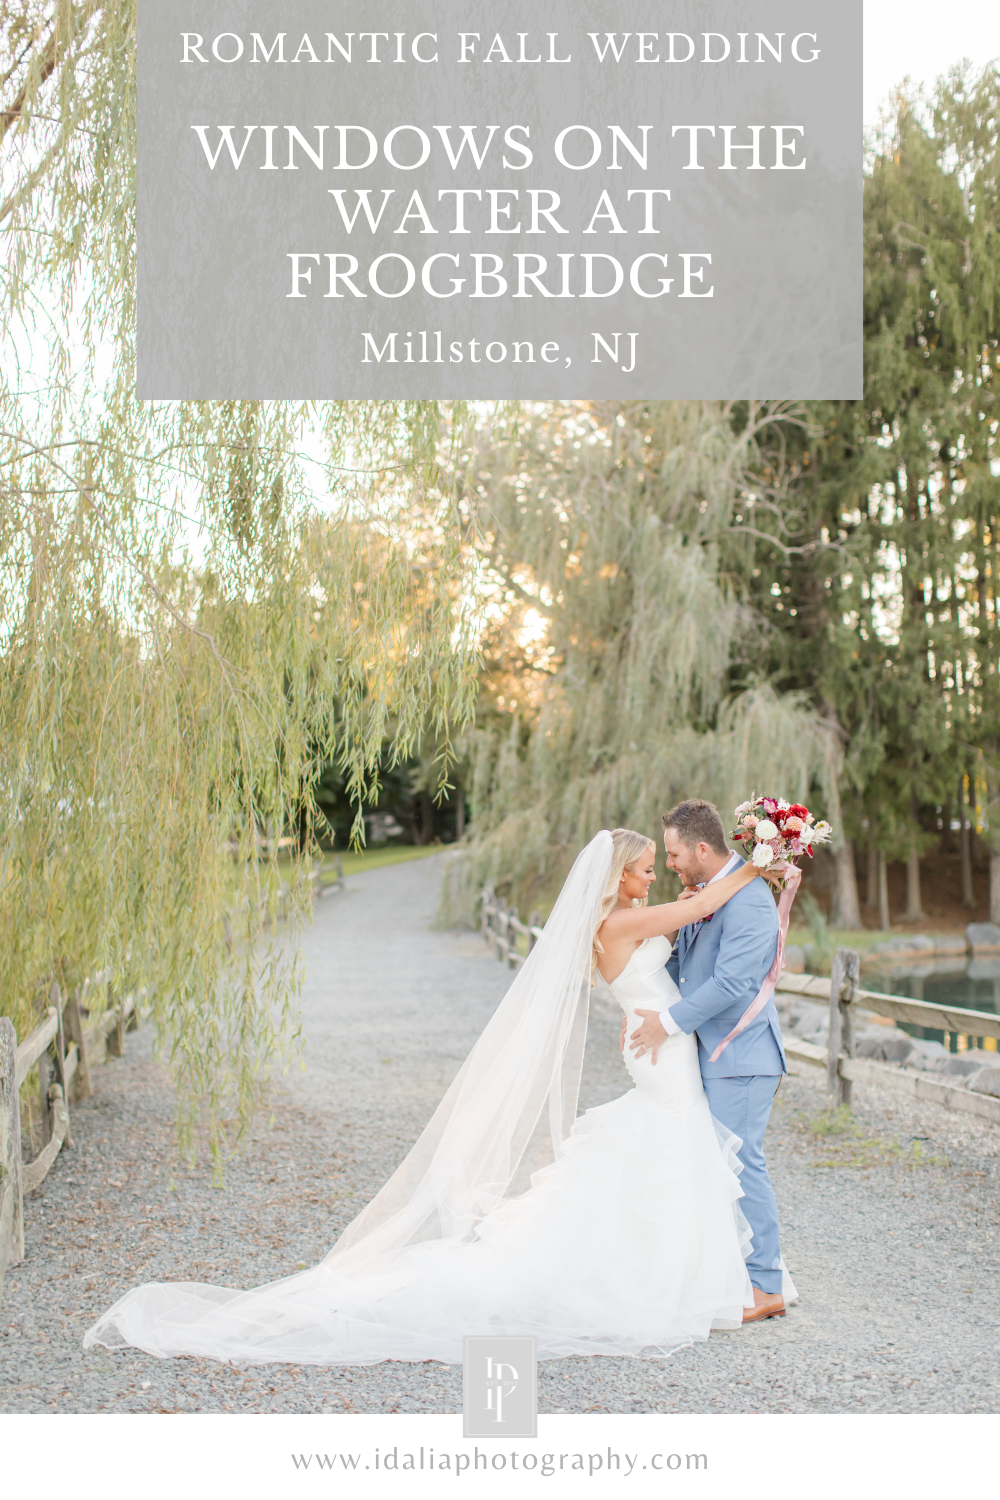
x=617, y=1233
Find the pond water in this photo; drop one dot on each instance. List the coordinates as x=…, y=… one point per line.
x=973, y=985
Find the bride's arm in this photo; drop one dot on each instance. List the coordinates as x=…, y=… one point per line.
x=637, y=922
x=685, y=895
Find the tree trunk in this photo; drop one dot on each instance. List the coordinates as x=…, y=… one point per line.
x=914, y=912
x=995, y=886
x=883, y=894
x=965, y=847
x=871, y=894
x=947, y=837
x=845, y=911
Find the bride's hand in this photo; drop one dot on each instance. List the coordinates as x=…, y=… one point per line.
x=776, y=873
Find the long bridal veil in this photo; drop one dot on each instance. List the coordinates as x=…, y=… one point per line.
x=506, y=1115
x=515, y=1097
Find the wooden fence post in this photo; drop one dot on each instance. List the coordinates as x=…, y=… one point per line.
x=44, y=1079
x=116, y=1036
x=845, y=974
x=60, y=1049
x=11, y=1201
x=500, y=941
x=74, y=1024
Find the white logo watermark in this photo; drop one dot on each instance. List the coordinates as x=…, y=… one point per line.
x=499, y=1394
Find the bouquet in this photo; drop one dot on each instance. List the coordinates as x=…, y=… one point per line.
x=773, y=831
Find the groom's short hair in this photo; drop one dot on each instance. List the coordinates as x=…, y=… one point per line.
x=698, y=822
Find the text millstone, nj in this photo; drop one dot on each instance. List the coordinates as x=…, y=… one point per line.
x=535, y=211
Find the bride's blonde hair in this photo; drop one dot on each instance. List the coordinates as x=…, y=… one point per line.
x=627, y=848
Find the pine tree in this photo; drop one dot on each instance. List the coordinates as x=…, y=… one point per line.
x=879, y=583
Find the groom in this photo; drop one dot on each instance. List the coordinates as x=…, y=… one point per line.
x=719, y=966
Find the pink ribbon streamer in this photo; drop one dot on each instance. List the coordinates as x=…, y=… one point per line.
x=767, y=988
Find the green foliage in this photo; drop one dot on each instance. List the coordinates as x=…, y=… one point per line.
x=620, y=663
x=208, y=611
x=823, y=941
x=201, y=605
x=880, y=583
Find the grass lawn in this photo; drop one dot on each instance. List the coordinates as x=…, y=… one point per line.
x=352, y=861
x=862, y=939
x=384, y=854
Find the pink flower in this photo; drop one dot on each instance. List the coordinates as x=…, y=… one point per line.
x=793, y=825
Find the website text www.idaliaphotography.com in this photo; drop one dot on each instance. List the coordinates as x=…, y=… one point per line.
x=396, y=1460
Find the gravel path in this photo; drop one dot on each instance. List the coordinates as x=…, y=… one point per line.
x=891, y=1233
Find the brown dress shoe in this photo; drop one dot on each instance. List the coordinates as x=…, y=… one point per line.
x=766, y=1305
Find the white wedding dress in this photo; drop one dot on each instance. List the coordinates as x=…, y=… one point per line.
x=630, y=1242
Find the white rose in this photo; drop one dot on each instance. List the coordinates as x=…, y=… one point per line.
x=766, y=830
x=783, y=805
x=763, y=856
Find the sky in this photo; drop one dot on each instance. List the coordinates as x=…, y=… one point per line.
x=923, y=38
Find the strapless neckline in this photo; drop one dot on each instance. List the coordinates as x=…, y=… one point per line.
x=632, y=957
x=622, y=972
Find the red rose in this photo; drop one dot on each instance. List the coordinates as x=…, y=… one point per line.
x=799, y=811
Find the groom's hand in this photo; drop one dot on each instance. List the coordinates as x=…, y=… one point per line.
x=650, y=1036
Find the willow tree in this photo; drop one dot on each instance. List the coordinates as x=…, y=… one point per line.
x=200, y=603
x=622, y=667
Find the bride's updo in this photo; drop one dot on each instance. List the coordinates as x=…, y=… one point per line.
x=627, y=848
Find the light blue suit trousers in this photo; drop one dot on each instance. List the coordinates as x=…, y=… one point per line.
x=743, y=1105
x=719, y=966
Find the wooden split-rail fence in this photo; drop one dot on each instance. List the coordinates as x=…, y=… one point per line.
x=512, y=940
x=320, y=884
x=65, y=1048
x=848, y=1000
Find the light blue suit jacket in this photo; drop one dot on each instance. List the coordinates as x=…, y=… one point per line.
x=719, y=966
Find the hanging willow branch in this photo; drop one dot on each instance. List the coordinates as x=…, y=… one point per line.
x=624, y=669
x=191, y=624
